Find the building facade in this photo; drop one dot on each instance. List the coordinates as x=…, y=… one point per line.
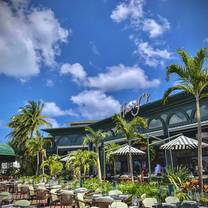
x=177, y=116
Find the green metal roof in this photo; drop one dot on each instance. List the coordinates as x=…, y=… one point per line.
x=6, y=150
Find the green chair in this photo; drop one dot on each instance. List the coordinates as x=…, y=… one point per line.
x=172, y=200
x=118, y=205
x=22, y=203
x=5, y=197
x=114, y=192
x=149, y=202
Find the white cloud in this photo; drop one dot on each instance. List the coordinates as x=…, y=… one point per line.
x=155, y=28
x=132, y=10
x=75, y=70
x=29, y=37
x=52, y=110
x=153, y=56
x=49, y=83
x=122, y=77
x=54, y=123
x=94, y=104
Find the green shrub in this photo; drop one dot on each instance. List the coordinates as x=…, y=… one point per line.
x=150, y=189
x=182, y=195
x=95, y=184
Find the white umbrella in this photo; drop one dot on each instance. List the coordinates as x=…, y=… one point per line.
x=182, y=142
x=125, y=150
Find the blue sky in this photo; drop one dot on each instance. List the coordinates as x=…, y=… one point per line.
x=84, y=59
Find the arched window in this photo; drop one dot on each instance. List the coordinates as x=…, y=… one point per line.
x=204, y=111
x=155, y=123
x=176, y=118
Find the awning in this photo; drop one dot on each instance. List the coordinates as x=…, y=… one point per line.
x=182, y=142
x=125, y=150
x=5, y=149
x=7, y=153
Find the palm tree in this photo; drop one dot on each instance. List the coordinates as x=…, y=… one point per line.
x=80, y=161
x=110, y=158
x=192, y=79
x=54, y=164
x=95, y=137
x=25, y=125
x=37, y=146
x=27, y=122
x=129, y=129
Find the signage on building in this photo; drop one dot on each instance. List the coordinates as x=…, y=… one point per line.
x=134, y=106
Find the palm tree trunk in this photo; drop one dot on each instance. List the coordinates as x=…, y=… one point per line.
x=131, y=163
x=38, y=161
x=42, y=160
x=114, y=167
x=199, y=134
x=98, y=165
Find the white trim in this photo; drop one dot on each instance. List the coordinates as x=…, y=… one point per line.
x=188, y=126
x=71, y=147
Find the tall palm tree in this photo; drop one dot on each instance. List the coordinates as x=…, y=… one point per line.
x=25, y=125
x=192, y=79
x=110, y=158
x=80, y=161
x=37, y=147
x=27, y=122
x=129, y=129
x=95, y=137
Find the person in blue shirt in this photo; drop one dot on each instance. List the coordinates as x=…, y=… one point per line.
x=158, y=169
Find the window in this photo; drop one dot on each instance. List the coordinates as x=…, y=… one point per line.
x=177, y=118
x=155, y=123
x=204, y=111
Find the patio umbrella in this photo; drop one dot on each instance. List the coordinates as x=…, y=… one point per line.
x=7, y=153
x=125, y=150
x=182, y=142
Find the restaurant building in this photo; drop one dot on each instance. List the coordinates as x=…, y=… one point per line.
x=175, y=117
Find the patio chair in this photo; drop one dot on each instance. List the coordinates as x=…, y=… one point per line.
x=18, y=190
x=118, y=205
x=172, y=200
x=42, y=196
x=67, y=199
x=103, y=202
x=189, y=204
x=80, y=202
x=24, y=192
x=3, y=186
x=32, y=195
x=128, y=201
x=114, y=192
x=149, y=202
x=54, y=200
x=22, y=203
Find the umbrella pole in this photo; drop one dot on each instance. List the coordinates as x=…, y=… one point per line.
x=149, y=159
x=170, y=152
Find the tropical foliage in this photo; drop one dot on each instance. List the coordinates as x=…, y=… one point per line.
x=54, y=165
x=96, y=138
x=130, y=131
x=25, y=126
x=37, y=147
x=178, y=176
x=110, y=158
x=80, y=162
x=192, y=79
